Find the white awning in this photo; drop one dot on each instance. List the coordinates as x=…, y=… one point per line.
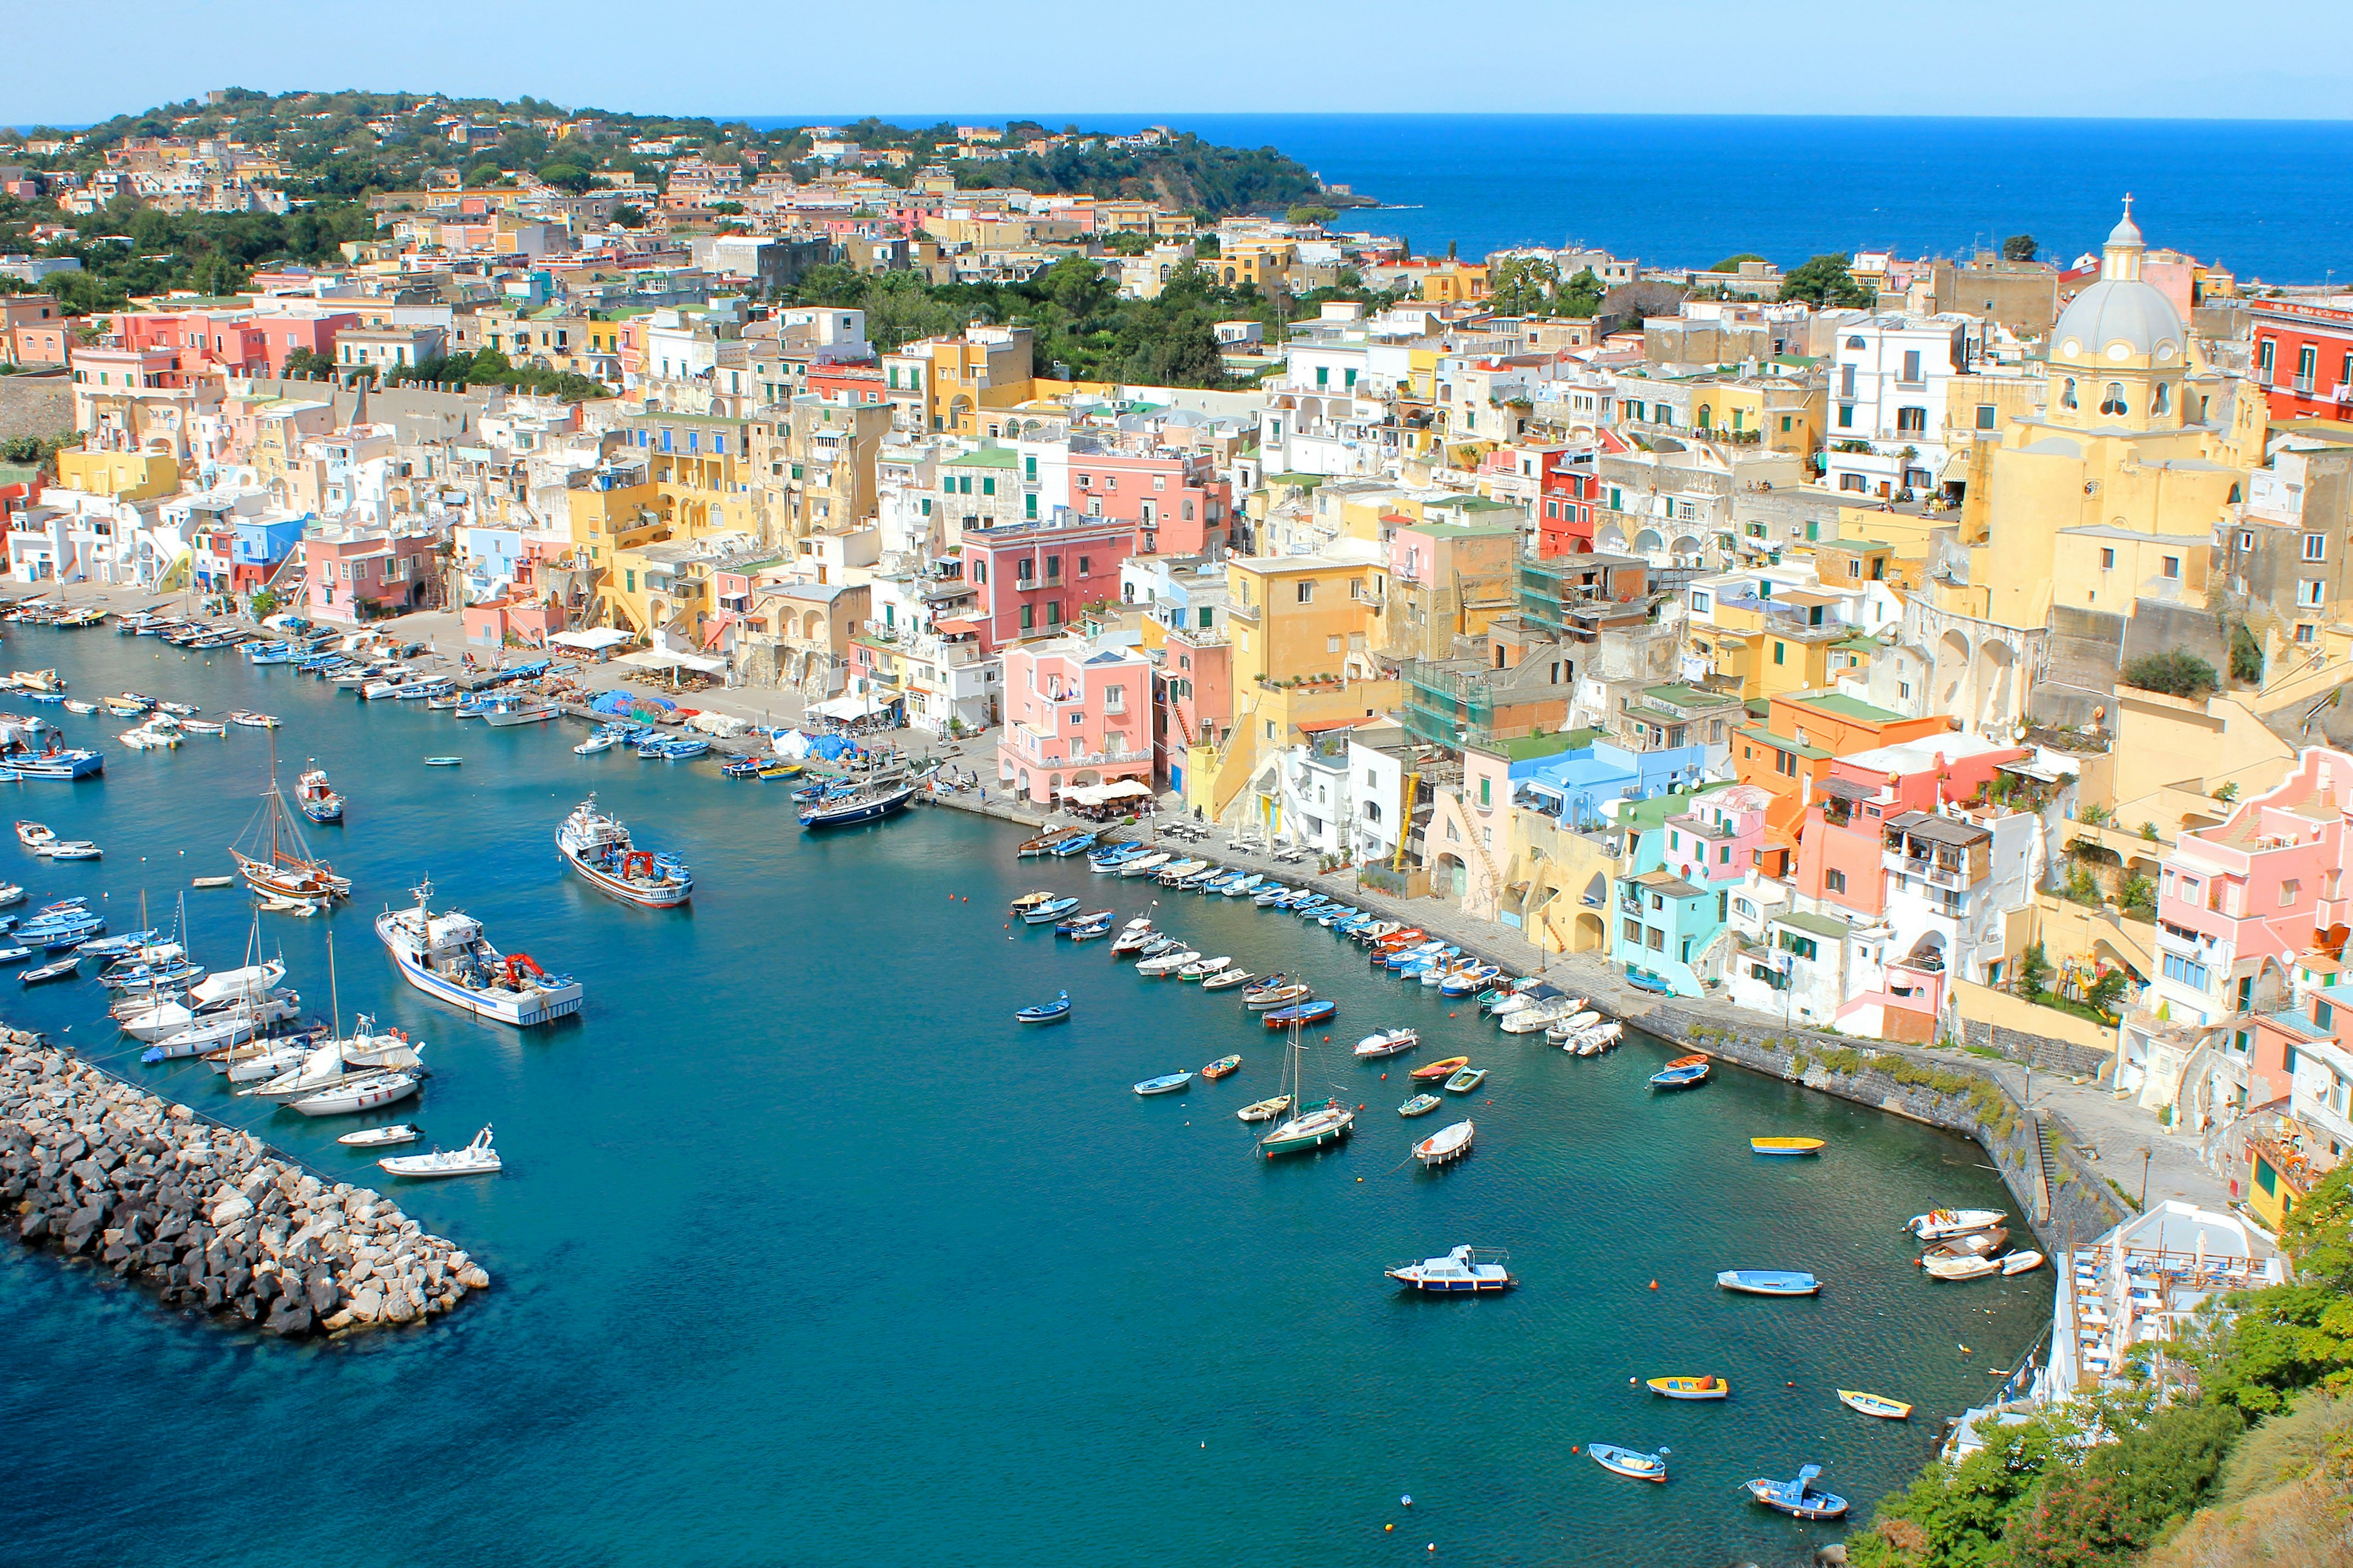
x=654, y=658
x=595, y=641
x=1103, y=794
x=851, y=707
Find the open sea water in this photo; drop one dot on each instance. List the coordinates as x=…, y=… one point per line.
x=804, y=1253
x=2261, y=198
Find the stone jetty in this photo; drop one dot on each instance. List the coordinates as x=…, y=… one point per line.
x=204, y=1214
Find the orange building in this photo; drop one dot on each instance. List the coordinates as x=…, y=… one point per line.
x=1790, y=752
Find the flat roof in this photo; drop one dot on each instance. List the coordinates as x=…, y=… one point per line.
x=1821, y=925
x=1938, y=830
x=1845, y=707
x=1782, y=742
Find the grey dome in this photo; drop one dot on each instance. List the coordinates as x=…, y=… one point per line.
x=2136, y=313
x=2125, y=231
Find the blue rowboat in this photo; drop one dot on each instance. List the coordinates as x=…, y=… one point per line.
x=1052, y=1012
x=1631, y=1463
x=1304, y=1014
x=1643, y=980
x=1768, y=1282
x=1168, y=1083
x=1798, y=1497
x=1678, y=1076
x=1047, y=914
x=1070, y=846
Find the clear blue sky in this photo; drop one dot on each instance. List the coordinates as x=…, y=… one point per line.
x=2158, y=58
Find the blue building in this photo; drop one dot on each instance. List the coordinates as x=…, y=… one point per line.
x=260, y=547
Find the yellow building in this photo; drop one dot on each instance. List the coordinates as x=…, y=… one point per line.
x=1454, y=282
x=700, y=468
x=955, y=384
x=1777, y=414
x=125, y=476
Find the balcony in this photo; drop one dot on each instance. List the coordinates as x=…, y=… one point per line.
x=1242, y=612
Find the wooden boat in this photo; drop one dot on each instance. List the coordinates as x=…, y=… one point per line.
x=1877, y=1404
x=1259, y=998
x=476, y=1159
x=275, y=861
x=1049, y=911
x=1706, y=1386
x=1787, y=1145
x=1768, y=1282
x=1264, y=1110
x=380, y=1137
x=1796, y=1497
x=1223, y=1067
x=1227, y=978
x=57, y=970
x=1938, y=1224
x=1974, y=1243
x=1052, y=1012
x=1027, y=902
x=1420, y=1105
x=1315, y=1011
x=1680, y=1075
x=1166, y=1083
x=1466, y=1080
x=1442, y=1069
x=1387, y=1043
x=1629, y=1462
x=1967, y=1267
x=1448, y=1144
x=1464, y=1270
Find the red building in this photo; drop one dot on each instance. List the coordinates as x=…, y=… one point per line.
x=229, y=341
x=843, y=383
x=2304, y=358
x=1033, y=578
x=1565, y=509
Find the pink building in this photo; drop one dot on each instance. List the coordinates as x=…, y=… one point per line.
x=1714, y=842
x=230, y=341
x=1033, y=578
x=364, y=574
x=1194, y=696
x=1175, y=501
x=1074, y=715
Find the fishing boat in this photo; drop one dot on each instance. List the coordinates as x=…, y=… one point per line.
x=1877, y=1404
x=1631, y=1463
x=1088, y=931
x=1938, y=1224
x=1768, y=1282
x=1448, y=1144
x=1278, y=993
x=1575, y=1024
x=476, y=1159
x=1442, y=1069
x=2022, y=1263
x=202, y=727
x=521, y=708
x=317, y=799
x=447, y=957
x=1043, y=842
x=249, y=720
x=1078, y=922
x=1224, y=979
x=1052, y=1012
x=1223, y=1067
x=1464, y=1270
x=1028, y=902
x=1132, y=936
x=1048, y=911
x=1264, y=1110
x=602, y=741
x=273, y=859
x=1679, y=1074
x=1787, y=1145
x=1168, y=1083
x=1596, y=1040
x=1202, y=968
x=1706, y=1386
x=33, y=835
x=1143, y=864
x=1167, y=963
x=1077, y=844
x=1966, y=1266
x=365, y=1093
x=381, y=1137
x=1312, y=1011
x=1798, y=1497
x=56, y=970
x=1972, y=1244
x=1271, y=894
x=59, y=762
x=76, y=705
x=868, y=803
x=1466, y=1080
x=1157, y=945
x=1387, y=1043
x=1420, y=1105
x=596, y=844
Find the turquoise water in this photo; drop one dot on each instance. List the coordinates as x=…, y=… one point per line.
x=806, y=1253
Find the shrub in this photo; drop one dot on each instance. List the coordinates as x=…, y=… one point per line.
x=2176, y=674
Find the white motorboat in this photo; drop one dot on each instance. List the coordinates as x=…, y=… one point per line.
x=1529, y=1019
x=362, y=1093
x=1463, y=1269
x=246, y=985
x=1202, y=968
x=1961, y=1268
x=1938, y=1224
x=476, y=1159
x=1389, y=1043
x=1226, y=979
x=1446, y=1144
x=1167, y=963
x=381, y=1137
x=1145, y=864
x=202, y=1035
x=602, y=741
x=1596, y=1040
x=2022, y=1263
x=1134, y=935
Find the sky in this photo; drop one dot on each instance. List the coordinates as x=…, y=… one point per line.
x=2154, y=58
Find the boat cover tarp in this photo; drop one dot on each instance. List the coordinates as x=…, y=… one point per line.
x=594, y=641
x=612, y=702
x=725, y=725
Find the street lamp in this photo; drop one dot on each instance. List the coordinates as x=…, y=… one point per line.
x=2146, y=1151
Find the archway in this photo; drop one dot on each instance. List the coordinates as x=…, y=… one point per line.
x=1648, y=543
x=1994, y=671
x=1450, y=877
x=1591, y=934
x=1952, y=667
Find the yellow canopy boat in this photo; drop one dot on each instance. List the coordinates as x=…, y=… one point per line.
x=1877, y=1404
x=1706, y=1387
x=1787, y=1145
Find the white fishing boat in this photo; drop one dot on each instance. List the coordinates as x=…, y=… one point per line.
x=1167, y=963
x=596, y=844
x=366, y=1092
x=381, y=1137
x=1463, y=1270
x=1201, y=968
x=1961, y=1268
x=33, y=835
x=1529, y=1019
x=1446, y=1144
x=1387, y=1043
x=1133, y=935
x=1938, y=1224
x=447, y=957
x=521, y=709
x=1596, y=1040
x=1227, y=978
x=476, y=1159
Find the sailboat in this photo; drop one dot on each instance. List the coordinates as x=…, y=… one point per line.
x=273, y=859
x=1313, y=1126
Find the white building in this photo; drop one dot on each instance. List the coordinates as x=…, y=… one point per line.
x=1890, y=378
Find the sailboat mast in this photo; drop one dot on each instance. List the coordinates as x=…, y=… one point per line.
x=334, y=1000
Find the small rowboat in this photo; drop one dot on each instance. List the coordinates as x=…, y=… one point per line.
x=1703, y=1387
x=1052, y=1012
x=381, y=1137
x=32, y=834
x=1168, y=1083
x=443, y=762
x=1768, y=1282
x=1027, y=902
x=212, y=881
x=2022, y=1263
x=1466, y=1080
x=1680, y=1075
x=1629, y=1462
x=1265, y=1109
x=57, y=971
x=1222, y=1066
x=1226, y=979
x=1260, y=997
x=1447, y=1144
x=1877, y=1404
x=1304, y=1014
x=1420, y=1105
x=1440, y=1069
x=1798, y=1498
x=1787, y=1145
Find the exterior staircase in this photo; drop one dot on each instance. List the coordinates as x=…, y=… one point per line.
x=2045, y=1176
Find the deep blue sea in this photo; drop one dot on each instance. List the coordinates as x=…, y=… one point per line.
x=2262, y=198
x=806, y=1254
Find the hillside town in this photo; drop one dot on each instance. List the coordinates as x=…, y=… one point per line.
x=1935, y=649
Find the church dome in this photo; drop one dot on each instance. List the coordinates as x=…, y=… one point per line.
x=2134, y=314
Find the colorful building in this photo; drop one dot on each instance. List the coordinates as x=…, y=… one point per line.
x=1075, y=715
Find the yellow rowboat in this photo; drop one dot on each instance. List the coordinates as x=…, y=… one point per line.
x=1877, y=1404
x=1708, y=1387
x=1787, y=1145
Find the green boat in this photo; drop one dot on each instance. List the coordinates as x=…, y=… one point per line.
x=1420, y=1105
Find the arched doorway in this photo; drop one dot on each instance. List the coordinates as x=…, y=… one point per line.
x=1591, y=935
x=1952, y=669
x=1450, y=877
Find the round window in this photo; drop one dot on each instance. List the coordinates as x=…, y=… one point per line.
x=2120, y=351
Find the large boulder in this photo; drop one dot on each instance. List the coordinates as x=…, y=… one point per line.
x=290, y=1316
x=230, y=1210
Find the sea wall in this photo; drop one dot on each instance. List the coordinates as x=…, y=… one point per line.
x=204, y=1214
x=2032, y=1153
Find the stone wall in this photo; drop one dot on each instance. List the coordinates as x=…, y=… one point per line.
x=35, y=405
x=204, y=1214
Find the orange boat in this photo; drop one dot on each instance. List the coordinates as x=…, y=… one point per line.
x=1221, y=1067
x=1442, y=1069
x=1400, y=939
x=1691, y=1061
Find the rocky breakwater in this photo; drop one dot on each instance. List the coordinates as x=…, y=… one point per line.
x=207, y=1216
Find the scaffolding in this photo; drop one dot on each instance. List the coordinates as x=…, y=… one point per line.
x=1443, y=704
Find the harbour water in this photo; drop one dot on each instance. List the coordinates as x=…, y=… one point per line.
x=805, y=1252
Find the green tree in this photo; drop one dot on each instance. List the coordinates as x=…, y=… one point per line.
x=1523, y=285
x=1824, y=283
x=2246, y=656
x=2138, y=897
x=263, y=604
x=565, y=175
x=1128, y=242
x=309, y=361
x=1581, y=296
x=2033, y=972
x=1311, y=213
x=2019, y=248
x=629, y=215
x=2176, y=673
x=1732, y=263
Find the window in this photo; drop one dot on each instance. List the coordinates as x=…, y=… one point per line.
x=1802, y=946
x=1912, y=421
x=2162, y=403
x=2182, y=969
x=1632, y=931
x=1307, y=593
x=2289, y=890
x=1846, y=416
x=1985, y=415
x=1027, y=621
x=1786, y=763
x=2173, y=568
x=2303, y=631
x=1911, y=364
x=2316, y=547
x=1029, y=469
x=2307, y=359
x=2307, y=594
x=988, y=485
x=2107, y=560
x=1779, y=650
x=1029, y=507
x=1834, y=881
x=2112, y=401
x=1700, y=600
x=2067, y=392
x=2263, y=351
x=1205, y=617
x=1846, y=382
x=1053, y=612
